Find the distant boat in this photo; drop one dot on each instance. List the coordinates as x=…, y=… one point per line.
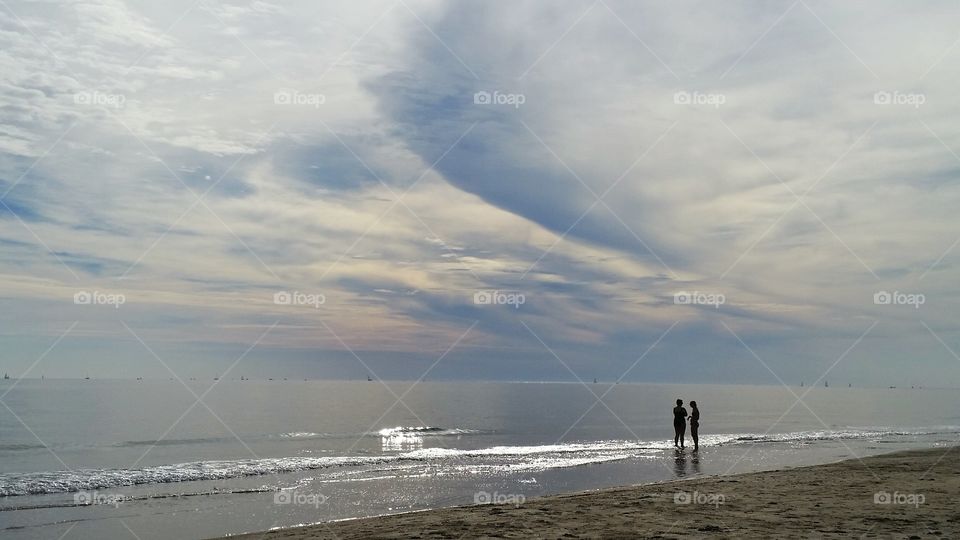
x=6, y=377
x=369, y=378
x=594, y=380
x=87, y=378
x=826, y=384
x=801, y=384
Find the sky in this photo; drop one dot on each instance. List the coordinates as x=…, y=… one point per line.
x=757, y=193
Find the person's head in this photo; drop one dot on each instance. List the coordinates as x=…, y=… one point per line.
x=679, y=402
x=693, y=404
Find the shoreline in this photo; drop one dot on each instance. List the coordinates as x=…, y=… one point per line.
x=901, y=494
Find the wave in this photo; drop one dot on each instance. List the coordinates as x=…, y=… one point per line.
x=303, y=435
x=841, y=434
x=508, y=458
x=20, y=446
x=399, y=431
x=171, y=442
x=420, y=431
x=92, y=479
x=440, y=460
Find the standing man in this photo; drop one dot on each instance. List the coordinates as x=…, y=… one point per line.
x=694, y=425
x=679, y=423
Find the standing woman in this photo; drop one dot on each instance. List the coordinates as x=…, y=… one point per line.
x=679, y=423
x=694, y=425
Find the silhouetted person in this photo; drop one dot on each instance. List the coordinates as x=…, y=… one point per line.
x=679, y=423
x=694, y=425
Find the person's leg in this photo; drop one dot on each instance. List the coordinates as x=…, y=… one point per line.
x=676, y=435
x=695, y=436
x=683, y=430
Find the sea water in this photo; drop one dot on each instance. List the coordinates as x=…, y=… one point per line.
x=118, y=458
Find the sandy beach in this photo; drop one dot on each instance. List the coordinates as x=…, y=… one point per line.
x=914, y=494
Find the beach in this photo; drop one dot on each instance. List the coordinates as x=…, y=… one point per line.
x=912, y=494
x=290, y=465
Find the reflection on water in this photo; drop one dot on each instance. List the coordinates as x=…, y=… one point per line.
x=474, y=436
x=679, y=462
x=400, y=441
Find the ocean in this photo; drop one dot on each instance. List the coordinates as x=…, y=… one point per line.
x=145, y=459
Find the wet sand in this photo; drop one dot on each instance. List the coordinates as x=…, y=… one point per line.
x=913, y=494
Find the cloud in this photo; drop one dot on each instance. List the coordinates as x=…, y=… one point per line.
x=200, y=162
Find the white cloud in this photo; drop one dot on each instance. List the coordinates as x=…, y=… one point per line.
x=703, y=199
